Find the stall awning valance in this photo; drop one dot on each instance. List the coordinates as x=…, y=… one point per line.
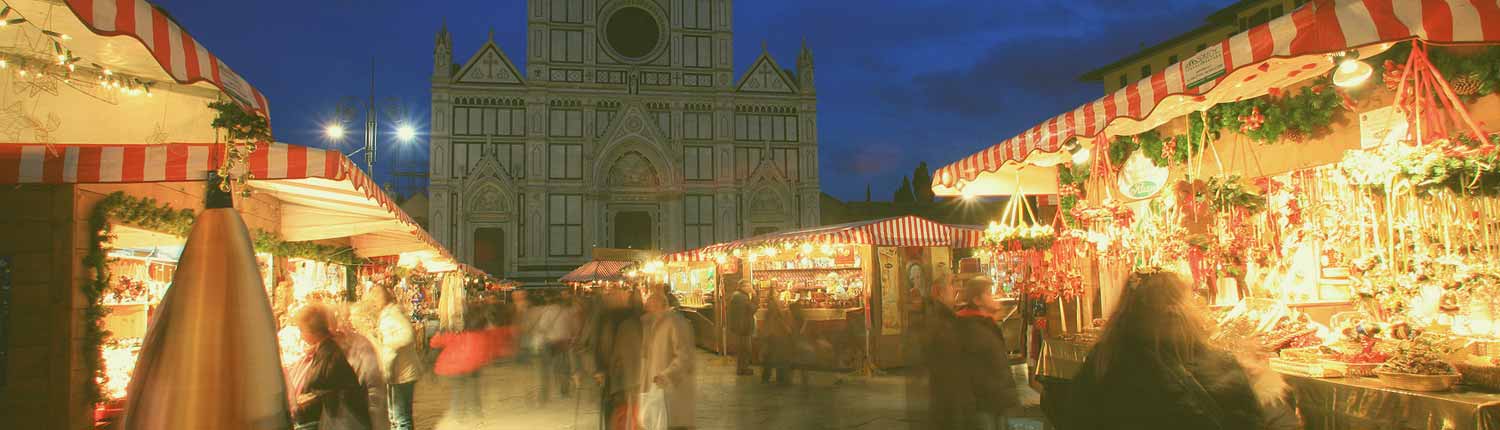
x=1281, y=52
x=598, y=271
x=323, y=194
x=899, y=231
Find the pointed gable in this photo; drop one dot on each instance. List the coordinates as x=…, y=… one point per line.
x=636, y=120
x=765, y=76
x=489, y=66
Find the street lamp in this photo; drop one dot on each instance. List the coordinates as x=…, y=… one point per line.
x=406, y=133
x=334, y=131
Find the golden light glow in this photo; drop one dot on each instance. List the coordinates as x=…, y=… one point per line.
x=1351, y=72
x=405, y=132
x=333, y=131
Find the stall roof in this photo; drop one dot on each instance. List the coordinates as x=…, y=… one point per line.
x=324, y=195
x=138, y=38
x=906, y=230
x=598, y=271
x=1283, y=51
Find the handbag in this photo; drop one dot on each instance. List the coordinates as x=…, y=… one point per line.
x=653, y=410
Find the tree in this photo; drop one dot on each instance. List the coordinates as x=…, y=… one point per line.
x=903, y=194
x=921, y=183
x=867, y=192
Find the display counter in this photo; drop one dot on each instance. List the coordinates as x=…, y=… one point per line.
x=836, y=338
x=1363, y=403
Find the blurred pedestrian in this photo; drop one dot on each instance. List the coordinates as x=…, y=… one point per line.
x=1153, y=368
x=553, y=333
x=742, y=325
x=941, y=350
x=612, y=356
x=464, y=354
x=521, y=304
x=986, y=391
x=328, y=392
x=365, y=360
x=667, y=344
x=398, y=356
x=777, y=342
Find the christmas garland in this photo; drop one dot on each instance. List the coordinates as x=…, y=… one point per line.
x=243, y=129
x=149, y=214
x=1471, y=74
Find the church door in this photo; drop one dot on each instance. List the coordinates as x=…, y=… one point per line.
x=489, y=251
x=633, y=230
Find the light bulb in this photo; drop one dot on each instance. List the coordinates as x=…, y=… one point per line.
x=405, y=132
x=1082, y=156
x=334, y=131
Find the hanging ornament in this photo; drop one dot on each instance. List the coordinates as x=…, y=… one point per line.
x=1253, y=121
x=1169, y=149
x=1393, y=75
x=1467, y=84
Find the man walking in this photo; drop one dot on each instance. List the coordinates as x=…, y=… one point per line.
x=667, y=341
x=742, y=325
x=395, y=342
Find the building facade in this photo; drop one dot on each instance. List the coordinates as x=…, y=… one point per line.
x=1220, y=25
x=628, y=128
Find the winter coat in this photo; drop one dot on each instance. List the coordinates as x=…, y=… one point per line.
x=1146, y=391
x=741, y=314
x=397, y=341
x=467, y=351
x=970, y=369
x=614, y=349
x=667, y=344
x=366, y=363
x=339, y=402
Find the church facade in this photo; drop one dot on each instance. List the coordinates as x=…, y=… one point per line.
x=627, y=128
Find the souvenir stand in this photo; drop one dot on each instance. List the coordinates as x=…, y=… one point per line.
x=850, y=280
x=101, y=165
x=1326, y=181
x=698, y=287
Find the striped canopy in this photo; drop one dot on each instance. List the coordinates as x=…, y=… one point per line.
x=598, y=271
x=899, y=231
x=1281, y=52
x=323, y=194
x=167, y=46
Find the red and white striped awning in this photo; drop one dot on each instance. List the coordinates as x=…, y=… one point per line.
x=183, y=58
x=899, y=231
x=323, y=194
x=1281, y=52
x=598, y=271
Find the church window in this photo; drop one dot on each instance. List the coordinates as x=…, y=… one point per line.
x=566, y=123
x=745, y=161
x=474, y=121
x=602, y=120
x=521, y=243
x=696, y=13
x=664, y=121
x=758, y=128
x=565, y=161
x=695, y=51
x=698, y=220
x=565, y=225
x=697, y=125
x=632, y=32
x=567, y=11
x=698, y=163
x=567, y=46
x=786, y=158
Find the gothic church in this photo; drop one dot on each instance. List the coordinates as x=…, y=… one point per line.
x=628, y=129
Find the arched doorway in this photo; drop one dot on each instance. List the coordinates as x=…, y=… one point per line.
x=633, y=230
x=489, y=251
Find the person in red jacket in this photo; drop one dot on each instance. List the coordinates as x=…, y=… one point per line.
x=463, y=355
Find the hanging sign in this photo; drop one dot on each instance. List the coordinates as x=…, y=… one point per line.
x=1140, y=178
x=890, y=290
x=1203, y=67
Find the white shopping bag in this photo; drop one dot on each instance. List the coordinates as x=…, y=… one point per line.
x=653, y=409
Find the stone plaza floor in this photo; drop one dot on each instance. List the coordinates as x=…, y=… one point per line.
x=725, y=401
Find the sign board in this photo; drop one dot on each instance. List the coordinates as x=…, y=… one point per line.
x=1203, y=67
x=890, y=290
x=1383, y=126
x=1140, y=178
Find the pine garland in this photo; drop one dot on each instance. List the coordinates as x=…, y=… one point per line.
x=149, y=214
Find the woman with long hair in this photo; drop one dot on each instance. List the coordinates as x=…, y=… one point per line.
x=1154, y=368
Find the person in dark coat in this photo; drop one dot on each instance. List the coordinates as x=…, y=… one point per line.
x=1153, y=368
x=778, y=342
x=329, y=395
x=970, y=369
x=742, y=325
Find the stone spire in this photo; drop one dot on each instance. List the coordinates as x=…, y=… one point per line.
x=805, y=69
x=442, y=54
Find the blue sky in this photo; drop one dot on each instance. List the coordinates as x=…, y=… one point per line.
x=898, y=81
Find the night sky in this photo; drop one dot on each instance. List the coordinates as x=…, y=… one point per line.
x=898, y=81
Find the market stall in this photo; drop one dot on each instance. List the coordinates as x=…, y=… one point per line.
x=1327, y=183
x=852, y=281
x=117, y=125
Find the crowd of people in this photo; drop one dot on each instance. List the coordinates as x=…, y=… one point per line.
x=1153, y=367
